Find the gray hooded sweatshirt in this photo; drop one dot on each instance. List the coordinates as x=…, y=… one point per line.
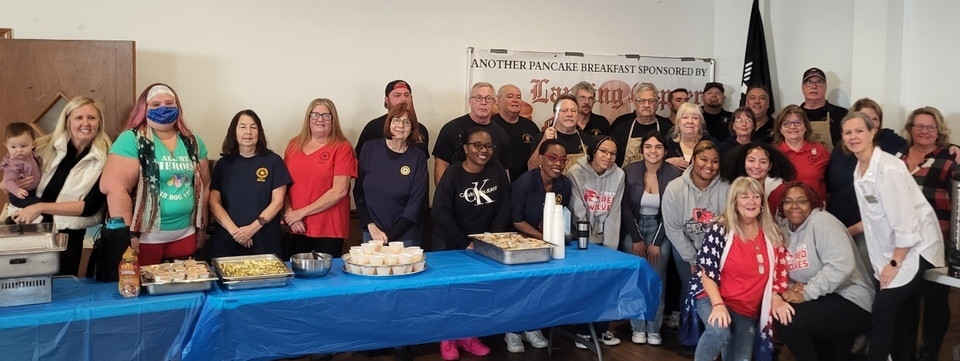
x=688, y=212
x=597, y=199
x=820, y=254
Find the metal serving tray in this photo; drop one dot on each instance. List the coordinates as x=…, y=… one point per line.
x=30, y=250
x=179, y=286
x=265, y=257
x=260, y=283
x=510, y=256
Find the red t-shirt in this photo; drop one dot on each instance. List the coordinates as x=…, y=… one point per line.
x=312, y=176
x=811, y=163
x=741, y=284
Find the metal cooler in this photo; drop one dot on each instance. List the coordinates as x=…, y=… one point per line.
x=29, y=257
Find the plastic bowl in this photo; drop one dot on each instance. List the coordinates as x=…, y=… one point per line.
x=307, y=266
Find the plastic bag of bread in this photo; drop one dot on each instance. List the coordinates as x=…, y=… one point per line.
x=129, y=272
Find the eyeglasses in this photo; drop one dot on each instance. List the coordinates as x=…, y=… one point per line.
x=606, y=153
x=585, y=98
x=477, y=146
x=929, y=128
x=398, y=121
x=325, y=116
x=799, y=202
x=646, y=101
x=743, y=120
x=553, y=158
x=483, y=99
x=814, y=83
x=795, y=123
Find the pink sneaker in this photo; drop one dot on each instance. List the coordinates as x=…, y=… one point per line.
x=474, y=346
x=448, y=350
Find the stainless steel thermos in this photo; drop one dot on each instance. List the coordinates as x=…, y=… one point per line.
x=583, y=234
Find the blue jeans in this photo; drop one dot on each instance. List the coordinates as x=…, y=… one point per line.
x=406, y=242
x=683, y=270
x=733, y=343
x=648, y=229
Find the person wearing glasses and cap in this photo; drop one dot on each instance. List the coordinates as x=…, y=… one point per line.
x=824, y=117
x=481, y=103
x=716, y=118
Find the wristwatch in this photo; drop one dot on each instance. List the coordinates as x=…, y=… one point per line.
x=262, y=221
x=894, y=263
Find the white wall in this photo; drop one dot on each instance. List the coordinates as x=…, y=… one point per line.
x=931, y=53
x=800, y=35
x=275, y=56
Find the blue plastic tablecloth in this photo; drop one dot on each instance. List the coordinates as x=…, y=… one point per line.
x=461, y=294
x=91, y=321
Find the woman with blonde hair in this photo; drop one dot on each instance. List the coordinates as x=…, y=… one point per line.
x=743, y=248
x=685, y=135
x=160, y=159
x=928, y=161
x=322, y=164
x=73, y=158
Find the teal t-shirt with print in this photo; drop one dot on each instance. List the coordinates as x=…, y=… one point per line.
x=176, y=177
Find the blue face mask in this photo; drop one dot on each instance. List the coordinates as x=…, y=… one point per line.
x=163, y=115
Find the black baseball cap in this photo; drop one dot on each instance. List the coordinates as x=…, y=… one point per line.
x=711, y=85
x=396, y=84
x=812, y=72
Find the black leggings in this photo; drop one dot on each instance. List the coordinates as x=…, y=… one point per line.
x=824, y=328
x=936, y=316
x=896, y=314
x=303, y=244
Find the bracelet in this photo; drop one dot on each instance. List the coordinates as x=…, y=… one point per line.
x=718, y=304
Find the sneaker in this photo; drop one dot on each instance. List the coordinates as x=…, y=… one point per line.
x=535, y=339
x=580, y=345
x=609, y=339
x=859, y=345
x=474, y=346
x=448, y=350
x=514, y=343
x=654, y=339
x=639, y=337
x=673, y=322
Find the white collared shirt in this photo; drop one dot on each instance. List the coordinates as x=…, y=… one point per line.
x=896, y=215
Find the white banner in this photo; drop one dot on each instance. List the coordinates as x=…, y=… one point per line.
x=542, y=77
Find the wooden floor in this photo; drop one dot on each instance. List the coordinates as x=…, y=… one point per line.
x=626, y=351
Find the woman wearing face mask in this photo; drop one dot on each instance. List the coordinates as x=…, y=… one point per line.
x=392, y=181
x=690, y=205
x=794, y=137
x=685, y=135
x=903, y=238
x=764, y=163
x=528, y=192
x=161, y=160
x=598, y=185
x=741, y=275
x=527, y=196
x=471, y=197
x=322, y=164
x=73, y=158
x=645, y=183
x=247, y=191
x=741, y=130
x=933, y=169
x=829, y=288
